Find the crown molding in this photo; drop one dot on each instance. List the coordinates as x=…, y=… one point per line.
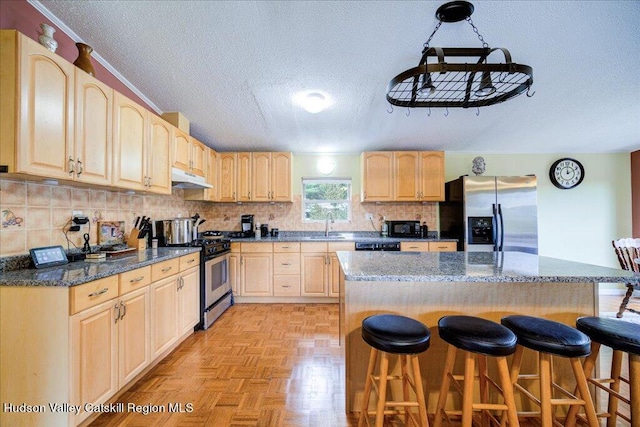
x=68, y=31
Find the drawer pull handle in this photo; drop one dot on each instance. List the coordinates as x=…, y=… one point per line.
x=285, y=247
x=137, y=279
x=117, y=312
x=100, y=292
x=123, y=311
x=164, y=270
x=191, y=261
x=286, y=263
x=286, y=286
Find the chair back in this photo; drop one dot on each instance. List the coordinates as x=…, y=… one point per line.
x=628, y=250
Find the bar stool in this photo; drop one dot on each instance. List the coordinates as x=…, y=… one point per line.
x=548, y=339
x=393, y=334
x=622, y=337
x=477, y=338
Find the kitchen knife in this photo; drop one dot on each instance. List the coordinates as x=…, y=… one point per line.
x=142, y=222
x=137, y=222
x=144, y=228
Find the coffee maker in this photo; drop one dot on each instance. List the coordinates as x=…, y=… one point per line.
x=246, y=225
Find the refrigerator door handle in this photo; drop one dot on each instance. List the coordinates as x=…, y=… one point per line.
x=501, y=227
x=495, y=228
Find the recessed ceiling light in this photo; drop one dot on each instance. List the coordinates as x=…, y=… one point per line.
x=313, y=102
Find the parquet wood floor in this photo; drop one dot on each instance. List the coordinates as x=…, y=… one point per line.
x=258, y=365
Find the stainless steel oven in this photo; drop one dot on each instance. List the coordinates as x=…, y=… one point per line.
x=215, y=295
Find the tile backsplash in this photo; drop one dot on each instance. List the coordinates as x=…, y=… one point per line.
x=35, y=214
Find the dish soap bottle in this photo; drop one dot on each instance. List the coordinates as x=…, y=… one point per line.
x=384, y=231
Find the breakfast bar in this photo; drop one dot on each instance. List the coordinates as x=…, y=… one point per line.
x=426, y=286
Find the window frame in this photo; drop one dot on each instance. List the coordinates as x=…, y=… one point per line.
x=306, y=201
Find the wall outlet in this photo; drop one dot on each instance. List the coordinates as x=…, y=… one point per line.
x=368, y=216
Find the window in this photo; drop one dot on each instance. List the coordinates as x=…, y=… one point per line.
x=323, y=196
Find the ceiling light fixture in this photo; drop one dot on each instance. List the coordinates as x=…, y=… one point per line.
x=444, y=83
x=314, y=102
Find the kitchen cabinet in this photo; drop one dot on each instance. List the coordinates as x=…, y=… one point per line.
x=377, y=176
x=256, y=269
x=243, y=177
x=227, y=177
x=314, y=269
x=134, y=335
x=129, y=144
x=188, y=300
x=443, y=246
x=234, y=269
x=158, y=159
x=334, y=265
x=36, y=109
x=403, y=176
x=271, y=177
x=189, y=154
x=211, y=194
x=428, y=246
x=286, y=269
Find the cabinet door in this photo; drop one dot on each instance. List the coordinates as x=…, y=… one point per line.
x=94, y=127
x=415, y=246
x=227, y=177
x=188, y=300
x=234, y=273
x=94, y=355
x=281, y=177
x=314, y=273
x=46, y=114
x=243, y=164
x=443, y=246
x=260, y=177
x=256, y=274
x=334, y=276
x=211, y=194
x=164, y=315
x=377, y=176
x=181, y=157
x=432, y=176
x=199, y=157
x=158, y=171
x=134, y=335
x=129, y=143
x=407, y=176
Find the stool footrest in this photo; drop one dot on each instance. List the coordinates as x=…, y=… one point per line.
x=599, y=384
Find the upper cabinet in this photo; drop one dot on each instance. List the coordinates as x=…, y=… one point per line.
x=403, y=176
x=243, y=177
x=157, y=167
x=271, y=177
x=189, y=154
x=227, y=177
x=129, y=144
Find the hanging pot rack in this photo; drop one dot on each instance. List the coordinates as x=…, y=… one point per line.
x=470, y=84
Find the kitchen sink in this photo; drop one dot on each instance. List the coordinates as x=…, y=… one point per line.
x=325, y=238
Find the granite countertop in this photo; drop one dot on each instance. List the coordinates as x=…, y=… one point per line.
x=361, y=236
x=77, y=273
x=473, y=267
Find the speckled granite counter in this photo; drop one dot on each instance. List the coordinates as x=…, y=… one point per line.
x=429, y=285
x=359, y=236
x=473, y=267
x=77, y=273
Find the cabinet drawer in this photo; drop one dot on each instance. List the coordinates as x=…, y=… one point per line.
x=165, y=269
x=235, y=247
x=443, y=246
x=257, y=247
x=286, y=263
x=135, y=279
x=341, y=246
x=286, y=247
x=93, y=293
x=286, y=285
x=415, y=246
x=308, y=247
x=188, y=261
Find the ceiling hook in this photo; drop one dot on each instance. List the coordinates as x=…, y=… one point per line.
x=446, y=113
x=390, y=111
x=532, y=93
x=408, y=112
x=477, y=111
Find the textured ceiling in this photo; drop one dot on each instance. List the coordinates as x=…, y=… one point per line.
x=232, y=69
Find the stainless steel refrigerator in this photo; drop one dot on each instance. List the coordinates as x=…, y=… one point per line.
x=491, y=213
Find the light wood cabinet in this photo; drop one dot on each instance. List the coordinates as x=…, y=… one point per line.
x=158, y=158
x=134, y=335
x=227, y=177
x=211, y=194
x=234, y=269
x=188, y=300
x=199, y=157
x=281, y=177
x=314, y=272
x=414, y=246
x=129, y=144
x=243, y=177
x=256, y=273
x=189, y=154
x=260, y=177
x=443, y=246
x=403, y=176
x=377, y=176
x=271, y=177
x=428, y=246
x=334, y=265
x=164, y=312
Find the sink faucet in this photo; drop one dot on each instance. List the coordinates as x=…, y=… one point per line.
x=326, y=223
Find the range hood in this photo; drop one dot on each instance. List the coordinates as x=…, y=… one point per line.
x=182, y=179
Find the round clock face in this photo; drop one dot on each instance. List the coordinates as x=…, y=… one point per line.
x=566, y=173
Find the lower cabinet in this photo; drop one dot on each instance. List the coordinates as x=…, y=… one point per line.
x=188, y=300
x=164, y=311
x=314, y=271
x=256, y=274
x=428, y=246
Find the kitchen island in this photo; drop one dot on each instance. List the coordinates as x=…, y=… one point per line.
x=427, y=286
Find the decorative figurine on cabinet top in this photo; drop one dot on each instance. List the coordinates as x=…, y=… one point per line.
x=46, y=38
x=478, y=166
x=84, y=59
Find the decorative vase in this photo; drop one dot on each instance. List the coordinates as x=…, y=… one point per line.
x=46, y=39
x=84, y=58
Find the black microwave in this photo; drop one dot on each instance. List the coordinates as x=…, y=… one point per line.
x=404, y=228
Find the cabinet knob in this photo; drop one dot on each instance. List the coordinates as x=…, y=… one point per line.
x=80, y=168
x=117, y=312
x=71, y=166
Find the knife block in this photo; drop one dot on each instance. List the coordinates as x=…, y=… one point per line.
x=134, y=242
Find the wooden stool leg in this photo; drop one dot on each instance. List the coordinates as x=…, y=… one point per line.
x=507, y=391
x=581, y=381
x=417, y=379
x=484, y=386
x=405, y=386
x=444, y=386
x=382, y=389
x=634, y=388
x=373, y=355
x=587, y=367
x=616, y=368
x=467, y=393
x=546, y=410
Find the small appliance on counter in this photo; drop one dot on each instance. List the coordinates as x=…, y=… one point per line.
x=246, y=225
x=404, y=229
x=264, y=230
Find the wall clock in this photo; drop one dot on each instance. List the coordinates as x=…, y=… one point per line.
x=566, y=173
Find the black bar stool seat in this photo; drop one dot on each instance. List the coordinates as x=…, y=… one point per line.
x=622, y=337
x=548, y=339
x=477, y=339
x=390, y=334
